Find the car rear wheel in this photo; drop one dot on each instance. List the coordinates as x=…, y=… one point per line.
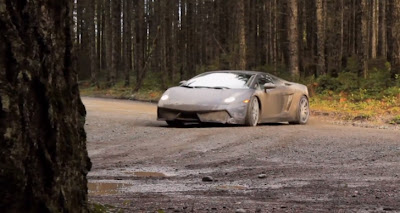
x=253, y=112
x=303, y=111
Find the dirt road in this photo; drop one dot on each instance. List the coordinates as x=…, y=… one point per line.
x=141, y=165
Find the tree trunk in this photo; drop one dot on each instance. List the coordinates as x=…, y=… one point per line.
x=108, y=41
x=116, y=40
x=293, y=37
x=374, y=29
x=191, y=70
x=337, y=41
x=99, y=37
x=394, y=37
x=91, y=35
x=140, y=40
x=362, y=44
x=311, y=37
x=43, y=156
x=171, y=39
x=127, y=55
x=321, y=68
x=382, y=46
x=241, y=34
x=78, y=22
x=103, y=50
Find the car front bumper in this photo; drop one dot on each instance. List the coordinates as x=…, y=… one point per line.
x=224, y=114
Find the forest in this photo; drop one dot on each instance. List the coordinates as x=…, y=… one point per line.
x=345, y=50
x=52, y=52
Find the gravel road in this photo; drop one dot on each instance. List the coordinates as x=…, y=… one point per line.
x=142, y=165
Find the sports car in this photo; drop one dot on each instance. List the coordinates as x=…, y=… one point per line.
x=235, y=97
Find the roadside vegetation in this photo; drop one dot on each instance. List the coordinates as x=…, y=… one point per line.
x=350, y=97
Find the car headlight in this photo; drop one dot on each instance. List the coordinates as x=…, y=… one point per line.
x=164, y=97
x=230, y=100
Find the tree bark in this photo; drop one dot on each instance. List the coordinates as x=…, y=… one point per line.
x=140, y=39
x=241, y=34
x=321, y=68
x=394, y=37
x=293, y=38
x=311, y=37
x=374, y=29
x=362, y=44
x=43, y=156
x=108, y=41
x=99, y=36
x=116, y=40
x=91, y=35
x=382, y=45
x=336, y=46
x=127, y=38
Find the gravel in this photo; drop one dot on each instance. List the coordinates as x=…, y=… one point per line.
x=311, y=168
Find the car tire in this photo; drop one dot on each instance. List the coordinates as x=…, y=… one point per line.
x=303, y=111
x=253, y=112
x=175, y=123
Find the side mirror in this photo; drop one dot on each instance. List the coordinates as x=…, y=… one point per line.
x=269, y=86
x=182, y=82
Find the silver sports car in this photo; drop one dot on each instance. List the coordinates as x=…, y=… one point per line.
x=234, y=97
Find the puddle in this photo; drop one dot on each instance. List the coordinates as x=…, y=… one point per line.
x=225, y=187
x=99, y=188
x=146, y=174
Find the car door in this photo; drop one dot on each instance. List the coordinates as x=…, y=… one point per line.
x=271, y=99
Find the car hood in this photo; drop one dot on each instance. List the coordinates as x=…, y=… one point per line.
x=203, y=96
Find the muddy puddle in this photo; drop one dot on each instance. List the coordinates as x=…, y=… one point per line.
x=99, y=188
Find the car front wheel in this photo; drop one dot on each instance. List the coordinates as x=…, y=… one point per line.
x=253, y=112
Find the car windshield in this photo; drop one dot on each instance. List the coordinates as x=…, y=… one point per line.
x=220, y=81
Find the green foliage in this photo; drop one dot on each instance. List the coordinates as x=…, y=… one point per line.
x=359, y=95
x=395, y=120
x=391, y=91
x=347, y=81
x=352, y=65
x=378, y=84
x=327, y=83
x=378, y=79
x=354, y=98
x=397, y=80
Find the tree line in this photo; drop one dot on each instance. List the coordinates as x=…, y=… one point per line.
x=176, y=39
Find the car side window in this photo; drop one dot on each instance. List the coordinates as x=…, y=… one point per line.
x=263, y=80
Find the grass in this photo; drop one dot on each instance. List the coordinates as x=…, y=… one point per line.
x=371, y=109
x=395, y=120
x=119, y=91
